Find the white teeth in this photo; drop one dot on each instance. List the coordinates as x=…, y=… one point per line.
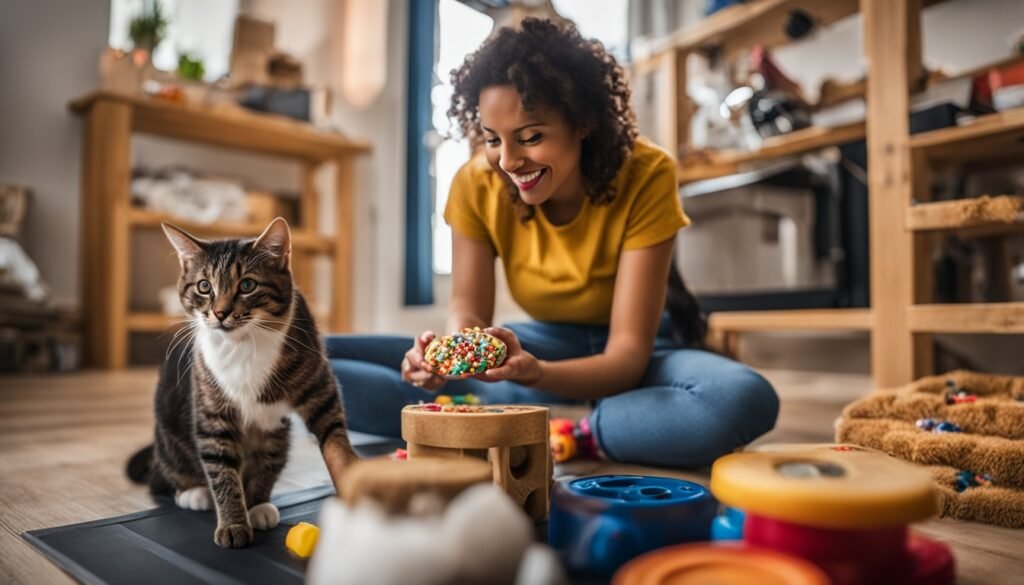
x=527, y=177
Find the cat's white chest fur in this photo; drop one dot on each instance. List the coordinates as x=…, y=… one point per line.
x=242, y=365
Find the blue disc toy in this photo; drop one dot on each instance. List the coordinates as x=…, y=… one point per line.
x=599, y=523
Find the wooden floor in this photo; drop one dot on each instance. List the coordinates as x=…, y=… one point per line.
x=64, y=441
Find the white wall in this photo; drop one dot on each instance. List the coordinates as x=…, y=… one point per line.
x=49, y=54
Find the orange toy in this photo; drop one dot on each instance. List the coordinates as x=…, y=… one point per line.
x=703, y=564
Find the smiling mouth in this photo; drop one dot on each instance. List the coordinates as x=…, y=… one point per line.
x=527, y=181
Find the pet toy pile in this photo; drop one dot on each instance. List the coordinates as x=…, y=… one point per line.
x=965, y=426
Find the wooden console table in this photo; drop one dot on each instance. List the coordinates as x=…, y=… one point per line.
x=108, y=217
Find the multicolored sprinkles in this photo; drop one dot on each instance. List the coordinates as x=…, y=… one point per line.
x=465, y=408
x=463, y=354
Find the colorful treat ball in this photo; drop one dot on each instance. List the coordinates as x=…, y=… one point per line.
x=563, y=447
x=463, y=354
x=561, y=426
x=443, y=399
x=926, y=424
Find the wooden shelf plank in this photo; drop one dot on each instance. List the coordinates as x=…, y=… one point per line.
x=753, y=23
x=792, y=320
x=301, y=239
x=967, y=318
x=708, y=165
x=229, y=127
x=974, y=217
x=146, y=322
x=994, y=136
x=152, y=322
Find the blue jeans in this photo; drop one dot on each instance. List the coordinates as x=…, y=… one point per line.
x=692, y=406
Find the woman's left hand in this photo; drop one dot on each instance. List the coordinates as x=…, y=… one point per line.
x=519, y=366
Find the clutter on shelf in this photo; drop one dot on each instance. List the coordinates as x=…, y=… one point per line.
x=190, y=196
x=207, y=199
x=262, y=78
x=35, y=336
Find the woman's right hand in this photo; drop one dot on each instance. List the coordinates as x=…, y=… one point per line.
x=415, y=369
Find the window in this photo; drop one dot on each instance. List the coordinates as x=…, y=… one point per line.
x=461, y=31
x=201, y=28
x=604, y=20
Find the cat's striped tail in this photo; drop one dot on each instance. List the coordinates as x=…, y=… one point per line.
x=140, y=464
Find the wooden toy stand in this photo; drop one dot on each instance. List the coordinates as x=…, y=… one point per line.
x=514, y=439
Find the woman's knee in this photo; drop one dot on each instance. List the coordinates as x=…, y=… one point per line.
x=737, y=393
x=755, y=401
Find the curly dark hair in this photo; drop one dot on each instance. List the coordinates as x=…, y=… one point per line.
x=550, y=65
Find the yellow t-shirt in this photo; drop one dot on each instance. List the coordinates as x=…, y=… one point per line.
x=566, y=273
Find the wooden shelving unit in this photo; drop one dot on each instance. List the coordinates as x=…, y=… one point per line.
x=968, y=318
x=729, y=162
x=303, y=240
x=903, y=221
x=109, y=219
x=972, y=217
x=754, y=23
x=792, y=320
x=993, y=138
x=146, y=322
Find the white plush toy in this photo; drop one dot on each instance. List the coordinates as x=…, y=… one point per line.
x=482, y=537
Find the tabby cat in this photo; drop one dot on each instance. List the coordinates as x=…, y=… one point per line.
x=251, y=356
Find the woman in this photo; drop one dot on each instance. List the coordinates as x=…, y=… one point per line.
x=583, y=216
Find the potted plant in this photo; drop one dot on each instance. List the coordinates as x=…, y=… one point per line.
x=148, y=28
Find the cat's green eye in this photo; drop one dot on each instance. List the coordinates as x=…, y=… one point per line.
x=247, y=285
x=204, y=287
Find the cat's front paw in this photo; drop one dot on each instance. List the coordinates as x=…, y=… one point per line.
x=197, y=498
x=233, y=535
x=264, y=516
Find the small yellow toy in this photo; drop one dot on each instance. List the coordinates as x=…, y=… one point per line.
x=301, y=539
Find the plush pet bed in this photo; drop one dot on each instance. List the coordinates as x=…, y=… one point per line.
x=968, y=428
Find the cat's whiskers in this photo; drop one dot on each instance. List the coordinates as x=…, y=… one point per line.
x=288, y=338
x=186, y=335
x=187, y=330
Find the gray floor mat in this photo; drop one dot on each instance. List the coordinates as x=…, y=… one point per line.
x=168, y=545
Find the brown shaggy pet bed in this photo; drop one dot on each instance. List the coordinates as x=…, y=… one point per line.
x=979, y=470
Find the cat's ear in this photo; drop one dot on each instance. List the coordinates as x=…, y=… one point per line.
x=187, y=245
x=276, y=240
